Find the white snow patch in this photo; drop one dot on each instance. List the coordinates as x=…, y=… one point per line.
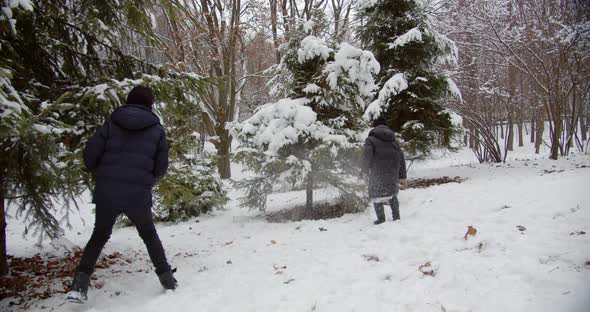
x=414, y=34
x=453, y=89
x=311, y=88
x=392, y=87
x=43, y=129
x=308, y=26
x=312, y=47
x=356, y=65
x=352, y=265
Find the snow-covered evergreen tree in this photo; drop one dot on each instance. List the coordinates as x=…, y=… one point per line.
x=63, y=68
x=412, y=86
x=309, y=139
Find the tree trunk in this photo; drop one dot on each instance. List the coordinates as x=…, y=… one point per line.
x=540, y=128
x=309, y=192
x=533, y=130
x=583, y=130
x=223, y=152
x=3, y=257
x=510, y=133
x=520, y=135
x=273, y=23
x=555, y=140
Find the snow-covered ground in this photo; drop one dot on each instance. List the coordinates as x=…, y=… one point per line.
x=236, y=261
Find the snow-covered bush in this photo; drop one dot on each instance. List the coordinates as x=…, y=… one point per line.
x=309, y=139
x=191, y=187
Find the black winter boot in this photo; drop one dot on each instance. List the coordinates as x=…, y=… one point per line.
x=167, y=280
x=394, y=208
x=379, y=212
x=79, y=288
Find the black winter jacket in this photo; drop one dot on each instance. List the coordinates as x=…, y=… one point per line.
x=126, y=155
x=384, y=162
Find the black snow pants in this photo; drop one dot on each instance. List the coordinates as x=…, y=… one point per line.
x=103, y=227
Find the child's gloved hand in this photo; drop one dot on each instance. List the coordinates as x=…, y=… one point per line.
x=404, y=183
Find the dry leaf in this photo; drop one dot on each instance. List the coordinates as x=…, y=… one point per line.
x=272, y=241
x=442, y=308
x=471, y=231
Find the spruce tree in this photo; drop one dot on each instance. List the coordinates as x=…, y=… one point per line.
x=309, y=139
x=412, y=86
x=63, y=69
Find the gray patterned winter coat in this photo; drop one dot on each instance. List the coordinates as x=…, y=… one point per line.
x=384, y=162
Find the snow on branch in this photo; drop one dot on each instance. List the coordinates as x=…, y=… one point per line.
x=354, y=65
x=449, y=54
x=312, y=47
x=7, y=14
x=285, y=122
x=276, y=124
x=392, y=87
x=413, y=34
x=453, y=89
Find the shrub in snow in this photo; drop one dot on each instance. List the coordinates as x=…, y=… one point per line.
x=191, y=187
x=411, y=84
x=310, y=138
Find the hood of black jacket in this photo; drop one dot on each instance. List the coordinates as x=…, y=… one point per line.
x=134, y=117
x=383, y=133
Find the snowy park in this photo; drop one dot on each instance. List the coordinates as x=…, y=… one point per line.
x=294, y=155
x=530, y=252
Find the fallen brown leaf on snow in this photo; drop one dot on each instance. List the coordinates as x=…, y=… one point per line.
x=471, y=231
